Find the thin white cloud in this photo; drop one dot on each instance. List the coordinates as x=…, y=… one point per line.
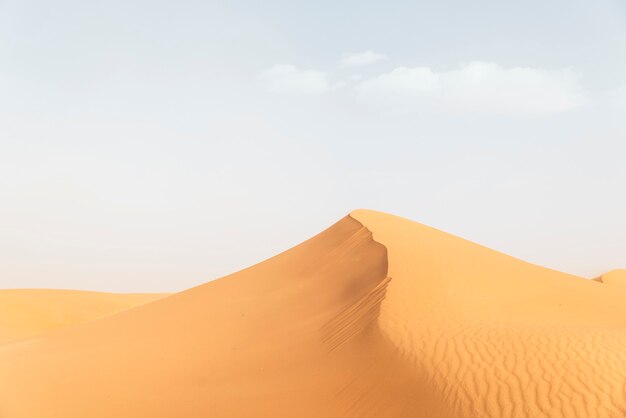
x=476, y=87
x=360, y=59
x=290, y=79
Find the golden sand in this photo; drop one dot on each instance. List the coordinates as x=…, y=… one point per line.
x=28, y=312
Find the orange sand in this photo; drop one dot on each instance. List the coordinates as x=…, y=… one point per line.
x=376, y=316
x=28, y=312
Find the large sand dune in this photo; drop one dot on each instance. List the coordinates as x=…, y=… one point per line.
x=376, y=316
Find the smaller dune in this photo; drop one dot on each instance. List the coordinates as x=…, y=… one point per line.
x=28, y=312
x=615, y=277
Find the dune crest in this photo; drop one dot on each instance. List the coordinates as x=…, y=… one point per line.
x=376, y=316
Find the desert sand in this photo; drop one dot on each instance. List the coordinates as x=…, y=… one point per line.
x=28, y=312
x=376, y=316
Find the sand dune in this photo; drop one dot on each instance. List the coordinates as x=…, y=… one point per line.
x=376, y=316
x=28, y=312
x=615, y=277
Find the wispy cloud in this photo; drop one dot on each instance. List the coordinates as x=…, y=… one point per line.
x=360, y=59
x=476, y=87
x=290, y=79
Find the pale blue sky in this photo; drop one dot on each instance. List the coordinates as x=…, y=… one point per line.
x=152, y=145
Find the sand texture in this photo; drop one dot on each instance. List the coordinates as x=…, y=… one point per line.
x=377, y=316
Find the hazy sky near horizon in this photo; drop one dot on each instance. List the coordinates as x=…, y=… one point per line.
x=153, y=145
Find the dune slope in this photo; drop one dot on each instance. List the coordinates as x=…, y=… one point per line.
x=376, y=316
x=28, y=312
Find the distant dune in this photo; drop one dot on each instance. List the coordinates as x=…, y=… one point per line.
x=28, y=312
x=377, y=316
x=615, y=277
